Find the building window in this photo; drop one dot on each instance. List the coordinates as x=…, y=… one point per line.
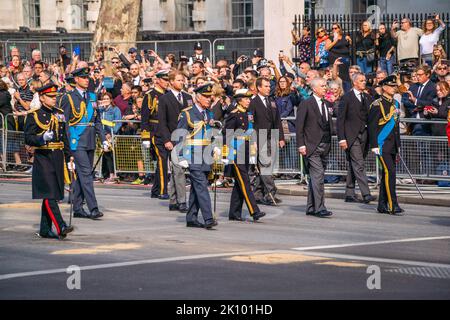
x=32, y=13
x=360, y=6
x=242, y=14
x=78, y=14
x=183, y=15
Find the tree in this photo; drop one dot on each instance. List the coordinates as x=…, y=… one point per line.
x=117, y=24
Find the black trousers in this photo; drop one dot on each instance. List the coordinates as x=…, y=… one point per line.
x=162, y=155
x=388, y=196
x=107, y=164
x=50, y=214
x=242, y=192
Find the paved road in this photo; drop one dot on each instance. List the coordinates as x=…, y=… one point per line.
x=140, y=250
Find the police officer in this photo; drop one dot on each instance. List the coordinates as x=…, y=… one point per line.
x=238, y=156
x=45, y=130
x=196, y=121
x=384, y=137
x=149, y=124
x=84, y=124
x=198, y=55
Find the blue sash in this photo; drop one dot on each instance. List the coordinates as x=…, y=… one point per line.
x=237, y=143
x=76, y=131
x=387, y=129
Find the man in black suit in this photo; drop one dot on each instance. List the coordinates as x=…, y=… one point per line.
x=352, y=135
x=314, y=127
x=267, y=122
x=420, y=96
x=170, y=106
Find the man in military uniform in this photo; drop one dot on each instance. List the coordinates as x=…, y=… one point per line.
x=238, y=156
x=84, y=124
x=45, y=131
x=196, y=121
x=384, y=138
x=149, y=124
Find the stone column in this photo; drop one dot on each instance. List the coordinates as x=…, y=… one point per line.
x=278, y=18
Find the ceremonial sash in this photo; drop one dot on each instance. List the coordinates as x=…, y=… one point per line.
x=77, y=130
x=388, y=127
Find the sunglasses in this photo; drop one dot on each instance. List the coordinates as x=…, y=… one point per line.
x=335, y=28
x=115, y=62
x=442, y=68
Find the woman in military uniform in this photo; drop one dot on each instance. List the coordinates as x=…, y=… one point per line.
x=238, y=155
x=45, y=131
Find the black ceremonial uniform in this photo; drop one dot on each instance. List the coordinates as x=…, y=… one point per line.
x=49, y=166
x=238, y=152
x=384, y=133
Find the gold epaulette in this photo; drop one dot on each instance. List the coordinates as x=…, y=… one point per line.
x=145, y=134
x=186, y=109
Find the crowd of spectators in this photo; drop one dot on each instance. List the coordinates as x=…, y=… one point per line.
x=123, y=78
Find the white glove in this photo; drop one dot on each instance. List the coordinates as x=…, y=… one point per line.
x=217, y=152
x=48, y=135
x=105, y=146
x=184, y=164
x=225, y=161
x=376, y=151
x=71, y=166
x=146, y=144
x=252, y=160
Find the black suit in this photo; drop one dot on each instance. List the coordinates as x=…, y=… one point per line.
x=169, y=109
x=266, y=117
x=315, y=133
x=425, y=97
x=352, y=127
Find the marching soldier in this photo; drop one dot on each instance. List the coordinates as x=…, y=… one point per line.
x=196, y=121
x=239, y=154
x=149, y=124
x=384, y=136
x=84, y=124
x=45, y=131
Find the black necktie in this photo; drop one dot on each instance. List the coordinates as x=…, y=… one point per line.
x=180, y=98
x=324, y=114
x=266, y=102
x=205, y=117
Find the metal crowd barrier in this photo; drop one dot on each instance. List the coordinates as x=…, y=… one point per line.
x=230, y=49
x=428, y=158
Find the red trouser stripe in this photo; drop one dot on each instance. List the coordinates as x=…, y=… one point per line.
x=52, y=216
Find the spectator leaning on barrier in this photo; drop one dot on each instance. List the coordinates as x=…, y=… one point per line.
x=439, y=108
x=284, y=104
x=430, y=37
x=385, y=45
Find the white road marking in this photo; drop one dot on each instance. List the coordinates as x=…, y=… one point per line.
x=372, y=243
x=219, y=255
x=375, y=259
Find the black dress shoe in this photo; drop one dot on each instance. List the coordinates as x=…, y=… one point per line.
x=95, y=214
x=164, y=197
x=182, y=208
x=351, y=199
x=258, y=215
x=277, y=201
x=65, y=230
x=382, y=210
x=81, y=214
x=310, y=213
x=211, y=224
x=324, y=214
x=195, y=224
x=369, y=198
x=398, y=211
x=154, y=196
x=234, y=218
x=174, y=207
x=50, y=235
